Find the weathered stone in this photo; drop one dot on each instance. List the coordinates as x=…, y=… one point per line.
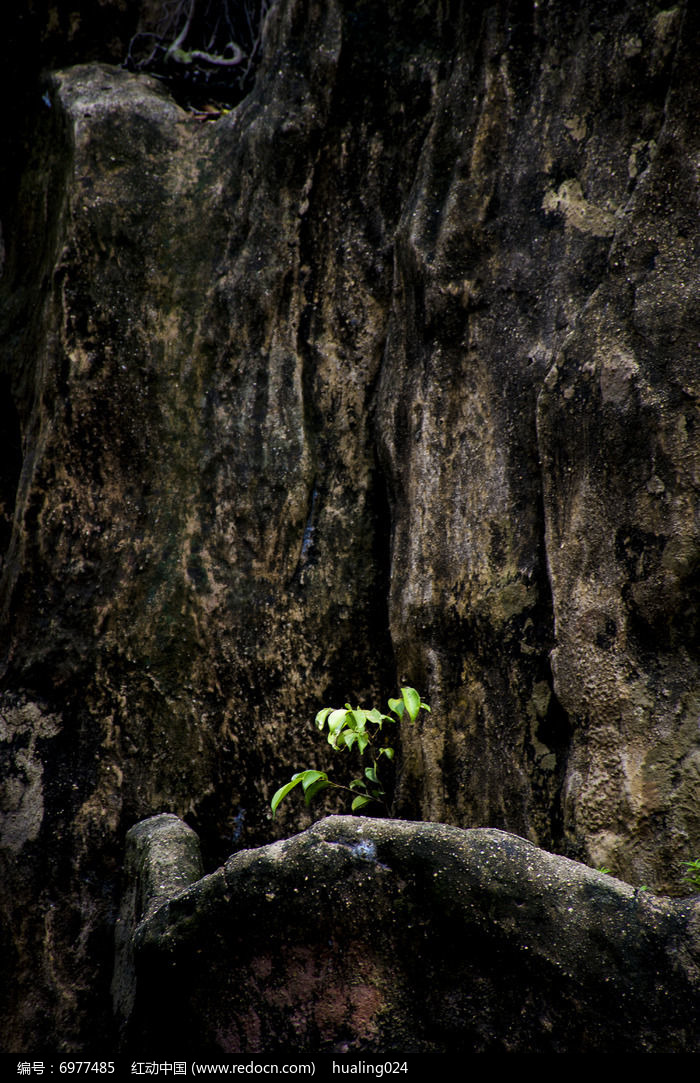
x=511, y=249
x=190, y=456
x=389, y=937
x=618, y=419
x=42, y=35
x=383, y=376
x=162, y=858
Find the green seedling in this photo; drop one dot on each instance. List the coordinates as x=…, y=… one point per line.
x=354, y=729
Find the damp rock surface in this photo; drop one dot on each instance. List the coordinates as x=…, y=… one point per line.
x=392, y=937
x=387, y=375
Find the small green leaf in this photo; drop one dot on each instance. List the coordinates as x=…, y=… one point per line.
x=337, y=722
x=397, y=706
x=308, y=778
x=412, y=701
x=282, y=793
x=316, y=788
x=388, y=752
x=360, y=802
x=362, y=741
x=337, y=719
x=371, y=774
x=322, y=716
x=357, y=718
x=358, y=784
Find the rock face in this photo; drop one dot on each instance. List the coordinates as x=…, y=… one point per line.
x=163, y=858
x=386, y=375
x=541, y=359
x=392, y=937
x=622, y=540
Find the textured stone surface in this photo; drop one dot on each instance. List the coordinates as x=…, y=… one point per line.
x=395, y=937
x=163, y=858
x=618, y=424
x=534, y=222
x=387, y=375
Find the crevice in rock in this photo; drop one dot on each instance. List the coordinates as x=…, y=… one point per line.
x=205, y=52
x=10, y=462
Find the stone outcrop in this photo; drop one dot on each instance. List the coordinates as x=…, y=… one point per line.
x=541, y=359
x=389, y=937
x=163, y=858
x=388, y=374
x=622, y=542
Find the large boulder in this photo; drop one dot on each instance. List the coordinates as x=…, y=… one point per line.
x=390, y=937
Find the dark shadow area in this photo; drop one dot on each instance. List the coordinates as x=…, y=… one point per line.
x=10, y=462
x=206, y=51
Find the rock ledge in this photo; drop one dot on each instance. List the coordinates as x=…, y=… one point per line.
x=395, y=937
